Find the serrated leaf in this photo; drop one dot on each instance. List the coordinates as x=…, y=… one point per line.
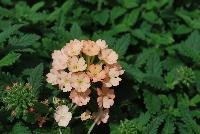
x=9, y=31
x=169, y=127
x=36, y=77
x=9, y=59
x=152, y=102
x=152, y=17
x=102, y=17
x=76, y=31
x=116, y=12
x=152, y=127
x=143, y=120
x=121, y=45
x=25, y=40
x=131, y=18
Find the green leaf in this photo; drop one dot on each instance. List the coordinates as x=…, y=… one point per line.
x=152, y=127
x=195, y=100
x=76, y=31
x=9, y=31
x=152, y=17
x=116, y=29
x=9, y=59
x=169, y=127
x=116, y=12
x=25, y=40
x=129, y=3
x=19, y=128
x=197, y=80
x=36, y=77
x=190, y=47
x=160, y=39
x=37, y=6
x=121, y=45
x=152, y=102
x=143, y=120
x=192, y=22
x=189, y=120
x=131, y=18
x=101, y=17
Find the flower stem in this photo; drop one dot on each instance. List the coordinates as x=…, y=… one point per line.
x=74, y=108
x=91, y=128
x=60, y=131
x=94, y=123
x=92, y=59
x=99, y=5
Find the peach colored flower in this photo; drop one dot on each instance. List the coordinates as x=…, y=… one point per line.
x=80, y=81
x=101, y=116
x=109, y=56
x=76, y=64
x=80, y=98
x=106, y=97
x=53, y=77
x=65, y=81
x=59, y=60
x=90, y=48
x=62, y=115
x=101, y=43
x=86, y=115
x=113, y=74
x=96, y=73
x=73, y=48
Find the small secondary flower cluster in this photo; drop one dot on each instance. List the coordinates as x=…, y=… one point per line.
x=82, y=67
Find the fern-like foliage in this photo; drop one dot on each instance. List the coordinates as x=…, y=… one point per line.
x=36, y=77
x=9, y=31
x=9, y=59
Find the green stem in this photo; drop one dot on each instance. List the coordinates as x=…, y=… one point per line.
x=92, y=59
x=88, y=60
x=99, y=5
x=60, y=131
x=94, y=123
x=74, y=108
x=91, y=128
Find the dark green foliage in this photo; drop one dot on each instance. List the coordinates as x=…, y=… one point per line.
x=158, y=43
x=36, y=77
x=18, y=99
x=9, y=59
x=19, y=128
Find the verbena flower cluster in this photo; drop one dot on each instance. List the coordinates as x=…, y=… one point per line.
x=81, y=68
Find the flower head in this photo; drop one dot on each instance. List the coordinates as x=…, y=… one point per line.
x=62, y=115
x=73, y=48
x=113, y=74
x=101, y=43
x=80, y=81
x=90, y=48
x=53, y=77
x=76, y=64
x=109, y=56
x=65, y=81
x=96, y=73
x=59, y=60
x=86, y=115
x=80, y=98
x=84, y=67
x=106, y=97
